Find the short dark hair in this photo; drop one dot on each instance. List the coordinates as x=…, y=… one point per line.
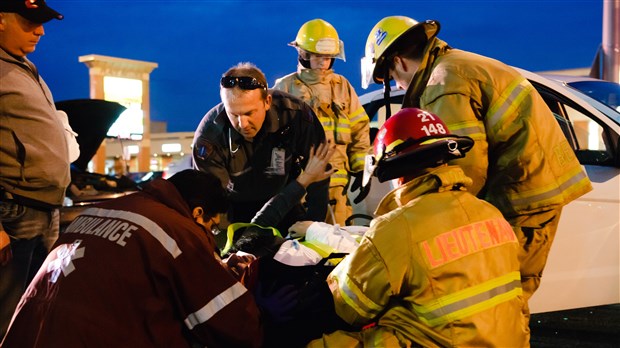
x=251, y=70
x=411, y=45
x=200, y=189
x=257, y=241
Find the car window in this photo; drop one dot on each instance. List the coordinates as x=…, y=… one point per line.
x=606, y=92
x=590, y=140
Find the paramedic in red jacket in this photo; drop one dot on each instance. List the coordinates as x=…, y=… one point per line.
x=140, y=271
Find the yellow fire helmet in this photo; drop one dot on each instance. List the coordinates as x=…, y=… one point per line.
x=385, y=33
x=319, y=37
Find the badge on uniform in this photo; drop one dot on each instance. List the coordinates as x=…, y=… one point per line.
x=278, y=161
x=203, y=149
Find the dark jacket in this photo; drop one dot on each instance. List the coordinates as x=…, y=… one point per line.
x=245, y=168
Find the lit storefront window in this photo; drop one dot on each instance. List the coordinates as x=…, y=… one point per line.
x=170, y=148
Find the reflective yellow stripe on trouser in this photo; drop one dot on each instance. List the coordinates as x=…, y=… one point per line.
x=357, y=160
x=470, y=301
x=339, y=207
x=339, y=178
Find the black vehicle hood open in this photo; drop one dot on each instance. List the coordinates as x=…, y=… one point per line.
x=90, y=119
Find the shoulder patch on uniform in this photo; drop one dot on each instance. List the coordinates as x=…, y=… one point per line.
x=203, y=149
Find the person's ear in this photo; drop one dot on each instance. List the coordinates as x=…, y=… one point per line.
x=197, y=212
x=400, y=64
x=268, y=102
x=2, y=21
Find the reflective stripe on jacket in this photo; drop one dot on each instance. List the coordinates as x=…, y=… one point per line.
x=439, y=267
x=346, y=124
x=521, y=161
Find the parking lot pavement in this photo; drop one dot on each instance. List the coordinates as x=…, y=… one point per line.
x=586, y=327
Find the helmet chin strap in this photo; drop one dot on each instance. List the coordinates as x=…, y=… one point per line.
x=369, y=168
x=386, y=93
x=304, y=62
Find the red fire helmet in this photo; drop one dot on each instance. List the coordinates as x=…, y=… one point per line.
x=413, y=139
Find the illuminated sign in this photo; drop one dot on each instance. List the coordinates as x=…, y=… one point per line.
x=127, y=92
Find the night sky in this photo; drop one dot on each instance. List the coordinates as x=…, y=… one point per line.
x=194, y=42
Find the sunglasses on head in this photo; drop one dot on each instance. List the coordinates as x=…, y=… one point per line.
x=244, y=82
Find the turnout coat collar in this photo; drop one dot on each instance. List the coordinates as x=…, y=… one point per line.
x=438, y=179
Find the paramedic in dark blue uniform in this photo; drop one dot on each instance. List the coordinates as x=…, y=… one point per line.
x=256, y=141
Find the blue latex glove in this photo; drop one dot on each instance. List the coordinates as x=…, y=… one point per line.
x=279, y=303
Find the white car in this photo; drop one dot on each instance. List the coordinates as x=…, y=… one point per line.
x=583, y=268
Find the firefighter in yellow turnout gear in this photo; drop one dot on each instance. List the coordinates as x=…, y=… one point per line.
x=522, y=163
x=438, y=267
x=335, y=102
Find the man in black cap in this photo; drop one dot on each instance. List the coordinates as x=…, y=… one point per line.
x=37, y=146
x=35, y=11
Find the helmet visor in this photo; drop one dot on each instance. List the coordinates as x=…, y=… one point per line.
x=368, y=67
x=341, y=54
x=323, y=48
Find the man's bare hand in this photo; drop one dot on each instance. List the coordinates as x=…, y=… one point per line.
x=317, y=166
x=238, y=263
x=298, y=229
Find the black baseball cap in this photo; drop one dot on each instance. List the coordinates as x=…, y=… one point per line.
x=35, y=11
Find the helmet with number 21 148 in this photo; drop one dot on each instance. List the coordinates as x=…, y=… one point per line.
x=414, y=139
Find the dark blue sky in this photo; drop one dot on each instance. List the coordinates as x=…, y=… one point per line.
x=194, y=41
